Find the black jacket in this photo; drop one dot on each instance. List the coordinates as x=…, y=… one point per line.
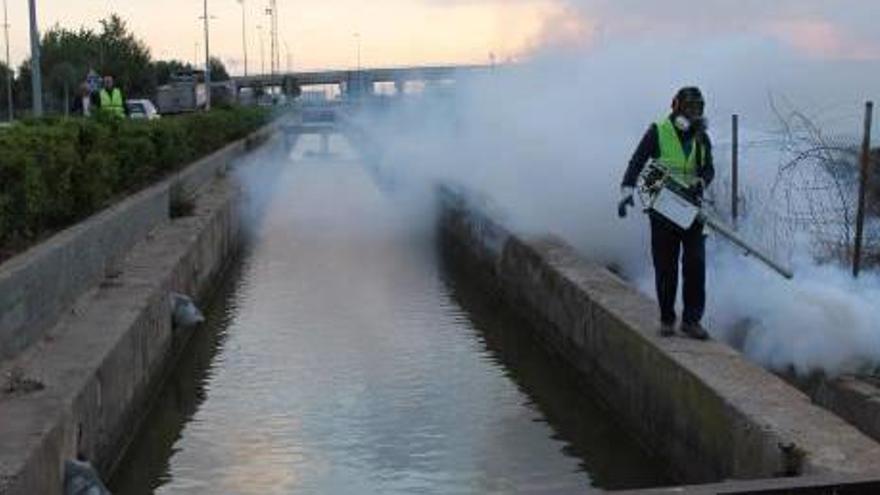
x=76, y=106
x=649, y=148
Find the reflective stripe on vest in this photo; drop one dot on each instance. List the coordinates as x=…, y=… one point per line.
x=683, y=169
x=112, y=102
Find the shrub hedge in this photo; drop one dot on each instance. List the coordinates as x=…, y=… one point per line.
x=54, y=172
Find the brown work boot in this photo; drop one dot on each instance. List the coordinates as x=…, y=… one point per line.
x=667, y=329
x=694, y=331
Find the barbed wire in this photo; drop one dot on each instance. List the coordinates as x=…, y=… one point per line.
x=814, y=190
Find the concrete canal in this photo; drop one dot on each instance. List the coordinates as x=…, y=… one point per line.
x=341, y=355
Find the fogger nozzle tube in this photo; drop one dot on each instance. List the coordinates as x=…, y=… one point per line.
x=731, y=235
x=663, y=195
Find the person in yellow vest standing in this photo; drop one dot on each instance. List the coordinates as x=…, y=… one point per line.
x=111, y=99
x=680, y=143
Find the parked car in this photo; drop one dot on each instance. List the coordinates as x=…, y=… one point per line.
x=142, y=109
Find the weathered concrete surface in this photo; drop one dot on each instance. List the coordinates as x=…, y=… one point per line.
x=707, y=410
x=39, y=284
x=854, y=398
x=100, y=361
x=812, y=485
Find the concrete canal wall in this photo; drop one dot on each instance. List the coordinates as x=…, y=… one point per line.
x=38, y=285
x=86, y=321
x=710, y=413
x=852, y=397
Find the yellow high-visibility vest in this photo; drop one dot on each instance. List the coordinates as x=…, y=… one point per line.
x=112, y=102
x=683, y=168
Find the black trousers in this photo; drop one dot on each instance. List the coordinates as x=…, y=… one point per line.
x=668, y=243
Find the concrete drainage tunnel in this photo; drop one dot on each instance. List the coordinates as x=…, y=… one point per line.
x=366, y=343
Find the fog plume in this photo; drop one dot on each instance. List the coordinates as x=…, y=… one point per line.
x=548, y=141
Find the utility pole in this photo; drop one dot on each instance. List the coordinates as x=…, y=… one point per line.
x=9, y=103
x=207, y=62
x=36, y=75
x=243, y=36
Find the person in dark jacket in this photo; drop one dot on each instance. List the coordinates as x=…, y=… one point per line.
x=84, y=102
x=680, y=143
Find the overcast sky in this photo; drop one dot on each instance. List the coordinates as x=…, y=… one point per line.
x=321, y=34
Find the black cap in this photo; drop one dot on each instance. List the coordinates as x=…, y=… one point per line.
x=691, y=97
x=689, y=93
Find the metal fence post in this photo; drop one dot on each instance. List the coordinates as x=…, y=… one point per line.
x=863, y=186
x=734, y=163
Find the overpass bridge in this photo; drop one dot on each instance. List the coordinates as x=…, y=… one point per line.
x=361, y=81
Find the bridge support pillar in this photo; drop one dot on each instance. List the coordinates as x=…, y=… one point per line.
x=325, y=143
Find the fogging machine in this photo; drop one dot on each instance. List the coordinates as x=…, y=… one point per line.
x=662, y=194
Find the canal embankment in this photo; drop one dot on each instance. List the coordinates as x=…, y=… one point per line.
x=703, y=407
x=86, y=324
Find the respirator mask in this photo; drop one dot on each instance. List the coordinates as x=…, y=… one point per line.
x=682, y=123
x=688, y=107
x=685, y=124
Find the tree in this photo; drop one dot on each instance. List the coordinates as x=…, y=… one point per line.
x=218, y=70
x=21, y=87
x=63, y=76
x=125, y=57
x=5, y=73
x=113, y=50
x=163, y=69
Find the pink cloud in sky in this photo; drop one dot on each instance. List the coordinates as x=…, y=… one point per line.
x=565, y=28
x=839, y=29
x=822, y=39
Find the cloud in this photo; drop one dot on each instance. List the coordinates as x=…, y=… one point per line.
x=563, y=28
x=823, y=39
x=844, y=29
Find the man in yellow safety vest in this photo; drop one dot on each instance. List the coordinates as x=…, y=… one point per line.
x=111, y=99
x=680, y=143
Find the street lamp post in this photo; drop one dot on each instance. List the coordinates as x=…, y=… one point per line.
x=276, y=60
x=36, y=74
x=9, y=103
x=268, y=12
x=272, y=12
x=243, y=36
x=207, y=62
x=262, y=51
x=276, y=57
x=357, y=37
x=358, y=80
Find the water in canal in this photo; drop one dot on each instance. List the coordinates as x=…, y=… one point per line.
x=341, y=357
